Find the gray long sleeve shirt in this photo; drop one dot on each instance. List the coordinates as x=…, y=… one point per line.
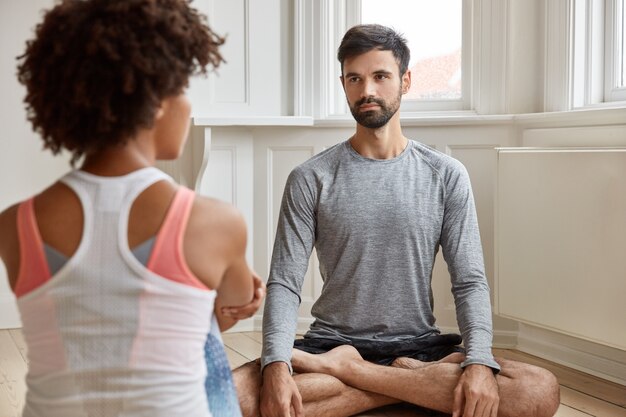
x=377, y=226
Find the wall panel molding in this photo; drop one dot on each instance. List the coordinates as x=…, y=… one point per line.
x=560, y=237
x=557, y=77
x=598, y=360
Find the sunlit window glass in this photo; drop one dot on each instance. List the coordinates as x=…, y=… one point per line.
x=433, y=29
x=623, y=46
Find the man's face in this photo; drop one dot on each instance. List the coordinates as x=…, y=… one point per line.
x=373, y=87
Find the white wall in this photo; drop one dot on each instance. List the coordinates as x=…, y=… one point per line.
x=25, y=168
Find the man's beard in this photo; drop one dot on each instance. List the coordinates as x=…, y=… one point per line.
x=374, y=119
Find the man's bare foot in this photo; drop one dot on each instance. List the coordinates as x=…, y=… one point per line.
x=410, y=363
x=456, y=357
x=330, y=362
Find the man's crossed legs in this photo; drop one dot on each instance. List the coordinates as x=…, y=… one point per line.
x=341, y=383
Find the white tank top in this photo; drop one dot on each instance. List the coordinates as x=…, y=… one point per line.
x=107, y=336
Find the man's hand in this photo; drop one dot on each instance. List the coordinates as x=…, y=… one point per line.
x=476, y=394
x=279, y=392
x=248, y=310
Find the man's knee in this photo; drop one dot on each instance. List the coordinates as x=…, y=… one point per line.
x=541, y=393
x=247, y=380
x=548, y=392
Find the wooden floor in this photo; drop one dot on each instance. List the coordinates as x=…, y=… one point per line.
x=582, y=395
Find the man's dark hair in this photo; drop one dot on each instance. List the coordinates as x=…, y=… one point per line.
x=97, y=70
x=364, y=38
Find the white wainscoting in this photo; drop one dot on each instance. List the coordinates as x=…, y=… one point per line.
x=561, y=239
x=277, y=150
x=590, y=129
x=269, y=153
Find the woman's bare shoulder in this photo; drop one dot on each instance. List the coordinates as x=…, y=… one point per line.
x=219, y=216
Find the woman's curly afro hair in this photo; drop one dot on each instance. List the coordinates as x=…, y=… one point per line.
x=97, y=70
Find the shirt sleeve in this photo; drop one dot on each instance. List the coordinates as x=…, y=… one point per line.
x=295, y=237
x=462, y=250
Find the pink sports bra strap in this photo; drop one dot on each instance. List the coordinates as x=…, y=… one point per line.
x=34, y=270
x=167, y=258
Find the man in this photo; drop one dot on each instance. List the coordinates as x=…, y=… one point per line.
x=377, y=208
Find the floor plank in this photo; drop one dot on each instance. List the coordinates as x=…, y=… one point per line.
x=12, y=373
x=573, y=379
x=590, y=405
x=244, y=345
x=258, y=336
x=235, y=360
x=18, y=338
x=565, y=411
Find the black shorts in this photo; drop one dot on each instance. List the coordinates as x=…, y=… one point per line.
x=425, y=349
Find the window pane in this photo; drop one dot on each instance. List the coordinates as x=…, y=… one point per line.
x=623, y=46
x=433, y=29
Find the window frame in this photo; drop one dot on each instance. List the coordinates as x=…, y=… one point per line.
x=595, y=58
x=614, y=35
x=463, y=103
x=319, y=27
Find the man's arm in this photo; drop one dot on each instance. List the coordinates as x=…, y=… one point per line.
x=294, y=241
x=477, y=390
x=462, y=250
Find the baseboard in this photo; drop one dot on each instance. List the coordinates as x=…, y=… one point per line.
x=9, y=316
x=591, y=358
x=502, y=339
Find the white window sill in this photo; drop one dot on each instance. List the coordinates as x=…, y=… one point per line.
x=578, y=117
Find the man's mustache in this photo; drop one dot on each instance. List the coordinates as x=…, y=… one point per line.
x=365, y=100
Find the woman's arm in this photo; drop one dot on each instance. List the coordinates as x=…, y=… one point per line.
x=227, y=316
x=9, y=244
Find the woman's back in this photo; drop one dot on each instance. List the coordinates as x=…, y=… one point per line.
x=116, y=268
x=106, y=334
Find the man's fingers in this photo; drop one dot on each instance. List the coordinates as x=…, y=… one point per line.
x=470, y=406
x=482, y=408
x=494, y=410
x=298, y=408
x=457, y=405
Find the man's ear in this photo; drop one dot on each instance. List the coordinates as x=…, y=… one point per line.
x=406, y=81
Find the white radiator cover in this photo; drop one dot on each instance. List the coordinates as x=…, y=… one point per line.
x=560, y=240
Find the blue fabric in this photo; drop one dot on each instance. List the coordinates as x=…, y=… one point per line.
x=221, y=393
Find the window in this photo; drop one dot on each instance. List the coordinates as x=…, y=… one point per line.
x=621, y=49
x=434, y=33
x=598, y=61
x=434, y=30
x=623, y=45
x=456, y=31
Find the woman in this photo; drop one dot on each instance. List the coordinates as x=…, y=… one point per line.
x=115, y=267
